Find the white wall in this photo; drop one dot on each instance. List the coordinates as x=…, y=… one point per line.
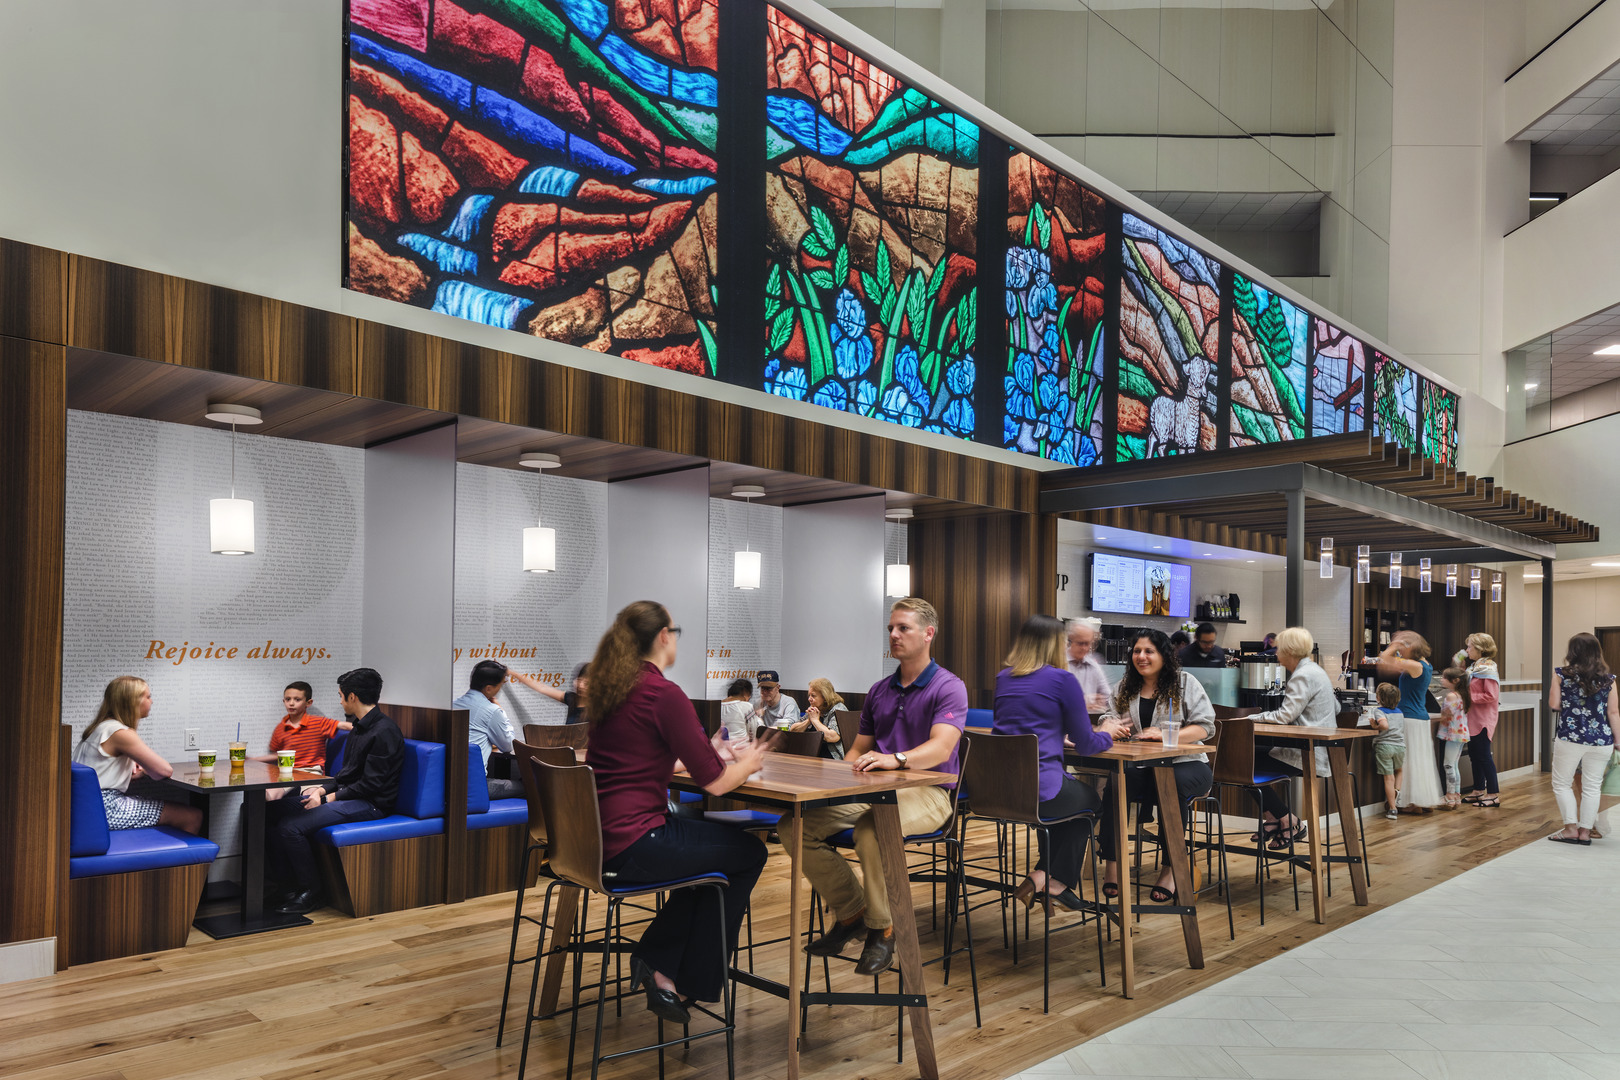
x=1561, y=266
x=1568, y=63
x=1571, y=469
x=658, y=549
x=1583, y=604
x=410, y=579
x=832, y=593
x=745, y=625
x=542, y=625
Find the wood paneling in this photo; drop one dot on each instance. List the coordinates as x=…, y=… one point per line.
x=64, y=814
x=1444, y=621
x=494, y=857
x=125, y=914
x=985, y=574
x=33, y=463
x=449, y=727
x=395, y=875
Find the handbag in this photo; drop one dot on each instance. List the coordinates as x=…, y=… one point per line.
x=1611, y=775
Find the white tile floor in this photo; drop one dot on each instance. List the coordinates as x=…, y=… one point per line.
x=1511, y=971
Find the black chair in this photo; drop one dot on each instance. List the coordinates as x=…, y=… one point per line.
x=1237, y=767
x=1004, y=779
x=574, y=846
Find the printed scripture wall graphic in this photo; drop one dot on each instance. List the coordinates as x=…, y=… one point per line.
x=545, y=166
x=1057, y=248
x=1169, y=345
x=872, y=208
x=1270, y=371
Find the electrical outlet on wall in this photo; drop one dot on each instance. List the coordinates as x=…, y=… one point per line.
x=191, y=739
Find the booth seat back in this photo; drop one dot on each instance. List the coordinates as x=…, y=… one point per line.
x=334, y=752
x=482, y=811
x=418, y=809
x=981, y=718
x=477, y=781
x=94, y=850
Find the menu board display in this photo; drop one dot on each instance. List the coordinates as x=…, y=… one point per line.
x=1140, y=586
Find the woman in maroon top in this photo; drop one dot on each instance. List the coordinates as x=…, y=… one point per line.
x=642, y=728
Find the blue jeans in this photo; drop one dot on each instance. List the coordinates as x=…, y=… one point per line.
x=289, y=853
x=683, y=940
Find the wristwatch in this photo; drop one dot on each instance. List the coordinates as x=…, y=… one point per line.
x=900, y=760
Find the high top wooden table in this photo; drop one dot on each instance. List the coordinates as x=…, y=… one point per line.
x=1337, y=740
x=253, y=780
x=794, y=785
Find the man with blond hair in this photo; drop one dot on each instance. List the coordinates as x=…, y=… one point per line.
x=1086, y=666
x=911, y=720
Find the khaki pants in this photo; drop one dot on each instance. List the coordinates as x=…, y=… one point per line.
x=922, y=810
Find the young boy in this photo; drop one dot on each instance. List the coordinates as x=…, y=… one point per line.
x=1389, y=745
x=302, y=732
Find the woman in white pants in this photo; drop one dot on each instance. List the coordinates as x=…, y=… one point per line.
x=1588, y=715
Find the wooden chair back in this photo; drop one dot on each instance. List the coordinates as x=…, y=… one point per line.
x=574, y=821
x=526, y=757
x=574, y=736
x=1229, y=712
x=849, y=726
x=1002, y=775
x=799, y=743
x=1234, y=764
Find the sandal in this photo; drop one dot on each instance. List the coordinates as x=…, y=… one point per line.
x=1282, y=842
x=1161, y=895
x=1111, y=889
x=1473, y=798
x=1487, y=803
x=1269, y=828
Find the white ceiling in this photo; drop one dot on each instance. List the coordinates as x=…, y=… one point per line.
x=1564, y=362
x=1147, y=544
x=1587, y=123
x=1579, y=569
x=1204, y=211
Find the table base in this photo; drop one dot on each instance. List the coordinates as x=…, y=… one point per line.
x=236, y=924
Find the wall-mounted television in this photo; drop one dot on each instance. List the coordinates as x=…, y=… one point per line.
x=1131, y=586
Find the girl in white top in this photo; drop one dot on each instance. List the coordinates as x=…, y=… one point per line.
x=111, y=747
x=737, y=712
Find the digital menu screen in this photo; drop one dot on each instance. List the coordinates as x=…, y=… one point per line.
x=1140, y=586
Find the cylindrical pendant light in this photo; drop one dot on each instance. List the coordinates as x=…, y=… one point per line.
x=897, y=576
x=1425, y=576
x=1363, y=563
x=1496, y=587
x=539, y=540
x=1326, y=568
x=747, y=565
x=1473, y=583
x=1394, y=569
x=230, y=521
x=1451, y=579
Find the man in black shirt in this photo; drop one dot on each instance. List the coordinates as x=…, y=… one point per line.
x=366, y=787
x=1203, y=652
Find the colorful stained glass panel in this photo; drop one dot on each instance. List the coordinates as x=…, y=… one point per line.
x=871, y=194
x=1169, y=345
x=540, y=165
x=1439, y=424
x=1056, y=247
x=1338, y=381
x=1395, y=401
x=1269, y=367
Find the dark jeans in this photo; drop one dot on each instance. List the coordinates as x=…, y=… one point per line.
x=1483, y=763
x=683, y=940
x=1193, y=778
x=504, y=789
x=289, y=853
x=1270, y=799
x=1068, y=847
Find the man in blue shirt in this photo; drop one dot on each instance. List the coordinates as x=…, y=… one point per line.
x=487, y=725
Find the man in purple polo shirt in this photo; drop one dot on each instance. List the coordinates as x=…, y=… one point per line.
x=911, y=720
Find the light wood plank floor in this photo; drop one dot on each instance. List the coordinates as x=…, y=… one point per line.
x=416, y=993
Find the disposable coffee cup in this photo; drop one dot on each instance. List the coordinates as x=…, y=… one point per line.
x=206, y=780
x=207, y=758
x=284, y=758
x=238, y=755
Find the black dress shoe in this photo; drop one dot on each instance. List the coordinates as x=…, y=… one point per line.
x=833, y=941
x=301, y=903
x=664, y=1004
x=878, y=954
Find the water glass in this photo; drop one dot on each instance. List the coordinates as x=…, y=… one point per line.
x=1170, y=729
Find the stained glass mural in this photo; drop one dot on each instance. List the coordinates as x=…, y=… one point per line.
x=1056, y=247
x=1338, y=381
x=1395, y=401
x=1439, y=424
x=540, y=165
x=1169, y=345
x=1269, y=367
x=872, y=215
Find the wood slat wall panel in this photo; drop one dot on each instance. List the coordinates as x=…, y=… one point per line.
x=33, y=478
x=1444, y=621
x=124, y=914
x=494, y=857
x=449, y=728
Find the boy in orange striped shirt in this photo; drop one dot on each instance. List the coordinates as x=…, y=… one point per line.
x=305, y=735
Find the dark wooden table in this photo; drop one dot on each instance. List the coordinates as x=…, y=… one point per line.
x=253, y=780
x=794, y=785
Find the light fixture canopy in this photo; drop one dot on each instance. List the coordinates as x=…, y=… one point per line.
x=1425, y=576
x=230, y=521
x=539, y=540
x=1326, y=568
x=1394, y=569
x=747, y=565
x=1363, y=563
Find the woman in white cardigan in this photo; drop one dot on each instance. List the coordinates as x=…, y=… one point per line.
x=1155, y=690
x=1307, y=701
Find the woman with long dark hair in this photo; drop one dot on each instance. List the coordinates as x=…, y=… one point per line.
x=1588, y=716
x=1035, y=695
x=642, y=728
x=1153, y=691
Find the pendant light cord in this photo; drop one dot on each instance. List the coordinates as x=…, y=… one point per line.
x=233, y=459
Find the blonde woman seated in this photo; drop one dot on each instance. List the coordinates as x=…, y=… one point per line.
x=1308, y=701
x=822, y=716
x=112, y=748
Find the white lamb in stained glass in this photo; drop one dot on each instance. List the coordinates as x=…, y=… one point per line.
x=1174, y=424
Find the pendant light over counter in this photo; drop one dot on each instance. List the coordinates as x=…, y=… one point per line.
x=230, y=521
x=746, y=565
x=897, y=576
x=539, y=540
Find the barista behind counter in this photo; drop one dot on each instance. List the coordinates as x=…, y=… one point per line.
x=1203, y=652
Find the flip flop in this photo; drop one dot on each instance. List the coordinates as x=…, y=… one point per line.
x=1568, y=840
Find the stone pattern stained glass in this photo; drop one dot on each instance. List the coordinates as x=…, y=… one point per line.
x=1169, y=345
x=540, y=165
x=1057, y=246
x=1338, y=381
x=872, y=215
x=1270, y=371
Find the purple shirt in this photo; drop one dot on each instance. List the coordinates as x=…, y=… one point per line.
x=902, y=718
x=1049, y=704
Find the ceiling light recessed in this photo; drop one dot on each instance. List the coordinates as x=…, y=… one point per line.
x=1606, y=564
x=1248, y=560
x=1531, y=385
x=1608, y=350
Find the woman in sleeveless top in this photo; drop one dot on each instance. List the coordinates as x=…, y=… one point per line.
x=111, y=747
x=1588, y=715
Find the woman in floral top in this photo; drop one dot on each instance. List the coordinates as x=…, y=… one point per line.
x=1454, y=730
x=1588, y=714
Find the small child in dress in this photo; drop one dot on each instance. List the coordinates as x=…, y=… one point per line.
x=1454, y=729
x=1389, y=745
